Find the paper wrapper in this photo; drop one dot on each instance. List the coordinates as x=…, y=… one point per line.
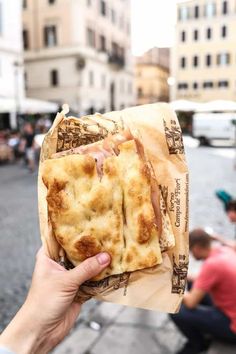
x=160, y=287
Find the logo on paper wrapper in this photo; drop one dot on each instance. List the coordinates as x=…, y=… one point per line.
x=103, y=287
x=163, y=201
x=179, y=277
x=174, y=138
x=175, y=202
x=74, y=132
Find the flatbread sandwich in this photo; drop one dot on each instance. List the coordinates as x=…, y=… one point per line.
x=103, y=195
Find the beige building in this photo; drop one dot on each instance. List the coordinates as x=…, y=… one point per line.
x=204, y=58
x=78, y=52
x=151, y=75
x=11, y=62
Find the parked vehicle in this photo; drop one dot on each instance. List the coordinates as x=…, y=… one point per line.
x=214, y=126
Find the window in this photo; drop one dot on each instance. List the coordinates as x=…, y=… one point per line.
x=89, y=2
x=183, y=36
x=26, y=80
x=223, y=83
x=50, y=36
x=195, y=85
x=51, y=2
x=103, y=81
x=208, y=84
x=128, y=28
x=183, y=13
x=140, y=92
x=90, y=37
x=103, y=9
x=179, y=14
x=208, y=60
x=224, y=7
x=209, y=33
x=223, y=59
x=183, y=62
x=195, y=35
x=195, y=61
x=102, y=43
x=130, y=87
x=182, y=86
x=54, y=78
x=122, y=86
x=24, y=4
x=91, y=78
x=196, y=11
x=115, y=48
x=121, y=22
x=210, y=9
x=223, y=31
x=113, y=16
x=25, y=39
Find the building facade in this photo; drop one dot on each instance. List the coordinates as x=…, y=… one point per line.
x=151, y=75
x=203, y=60
x=79, y=52
x=11, y=60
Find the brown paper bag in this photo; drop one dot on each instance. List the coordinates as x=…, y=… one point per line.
x=160, y=287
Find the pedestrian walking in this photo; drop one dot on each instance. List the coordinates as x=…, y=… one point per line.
x=28, y=136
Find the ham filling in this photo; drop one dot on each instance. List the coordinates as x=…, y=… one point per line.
x=109, y=147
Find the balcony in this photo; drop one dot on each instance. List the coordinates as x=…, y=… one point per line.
x=116, y=61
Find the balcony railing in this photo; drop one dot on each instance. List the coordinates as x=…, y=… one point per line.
x=117, y=61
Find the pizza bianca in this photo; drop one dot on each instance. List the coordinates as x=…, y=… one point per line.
x=102, y=197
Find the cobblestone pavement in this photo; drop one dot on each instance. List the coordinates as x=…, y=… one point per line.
x=136, y=331
x=19, y=237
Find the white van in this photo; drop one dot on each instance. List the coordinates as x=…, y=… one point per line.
x=214, y=126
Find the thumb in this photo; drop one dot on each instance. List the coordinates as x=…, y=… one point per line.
x=90, y=268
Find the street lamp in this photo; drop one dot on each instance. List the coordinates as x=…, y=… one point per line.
x=17, y=65
x=171, y=83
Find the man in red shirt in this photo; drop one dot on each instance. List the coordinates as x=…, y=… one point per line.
x=209, y=308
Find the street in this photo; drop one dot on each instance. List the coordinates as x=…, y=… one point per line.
x=104, y=326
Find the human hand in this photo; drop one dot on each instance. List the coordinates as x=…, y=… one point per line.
x=191, y=278
x=224, y=241
x=49, y=311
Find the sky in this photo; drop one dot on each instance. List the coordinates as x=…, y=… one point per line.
x=152, y=24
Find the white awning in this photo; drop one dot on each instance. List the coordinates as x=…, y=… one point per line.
x=185, y=105
x=218, y=106
x=28, y=106
x=7, y=105
x=31, y=105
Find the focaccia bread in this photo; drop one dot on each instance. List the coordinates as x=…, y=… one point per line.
x=112, y=211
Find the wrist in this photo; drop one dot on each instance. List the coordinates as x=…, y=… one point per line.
x=24, y=335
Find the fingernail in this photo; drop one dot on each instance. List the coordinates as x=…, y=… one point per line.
x=103, y=258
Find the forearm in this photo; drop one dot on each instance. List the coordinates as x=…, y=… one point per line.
x=193, y=297
x=24, y=335
x=218, y=238
x=43, y=321
x=191, y=278
x=187, y=300
x=224, y=242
